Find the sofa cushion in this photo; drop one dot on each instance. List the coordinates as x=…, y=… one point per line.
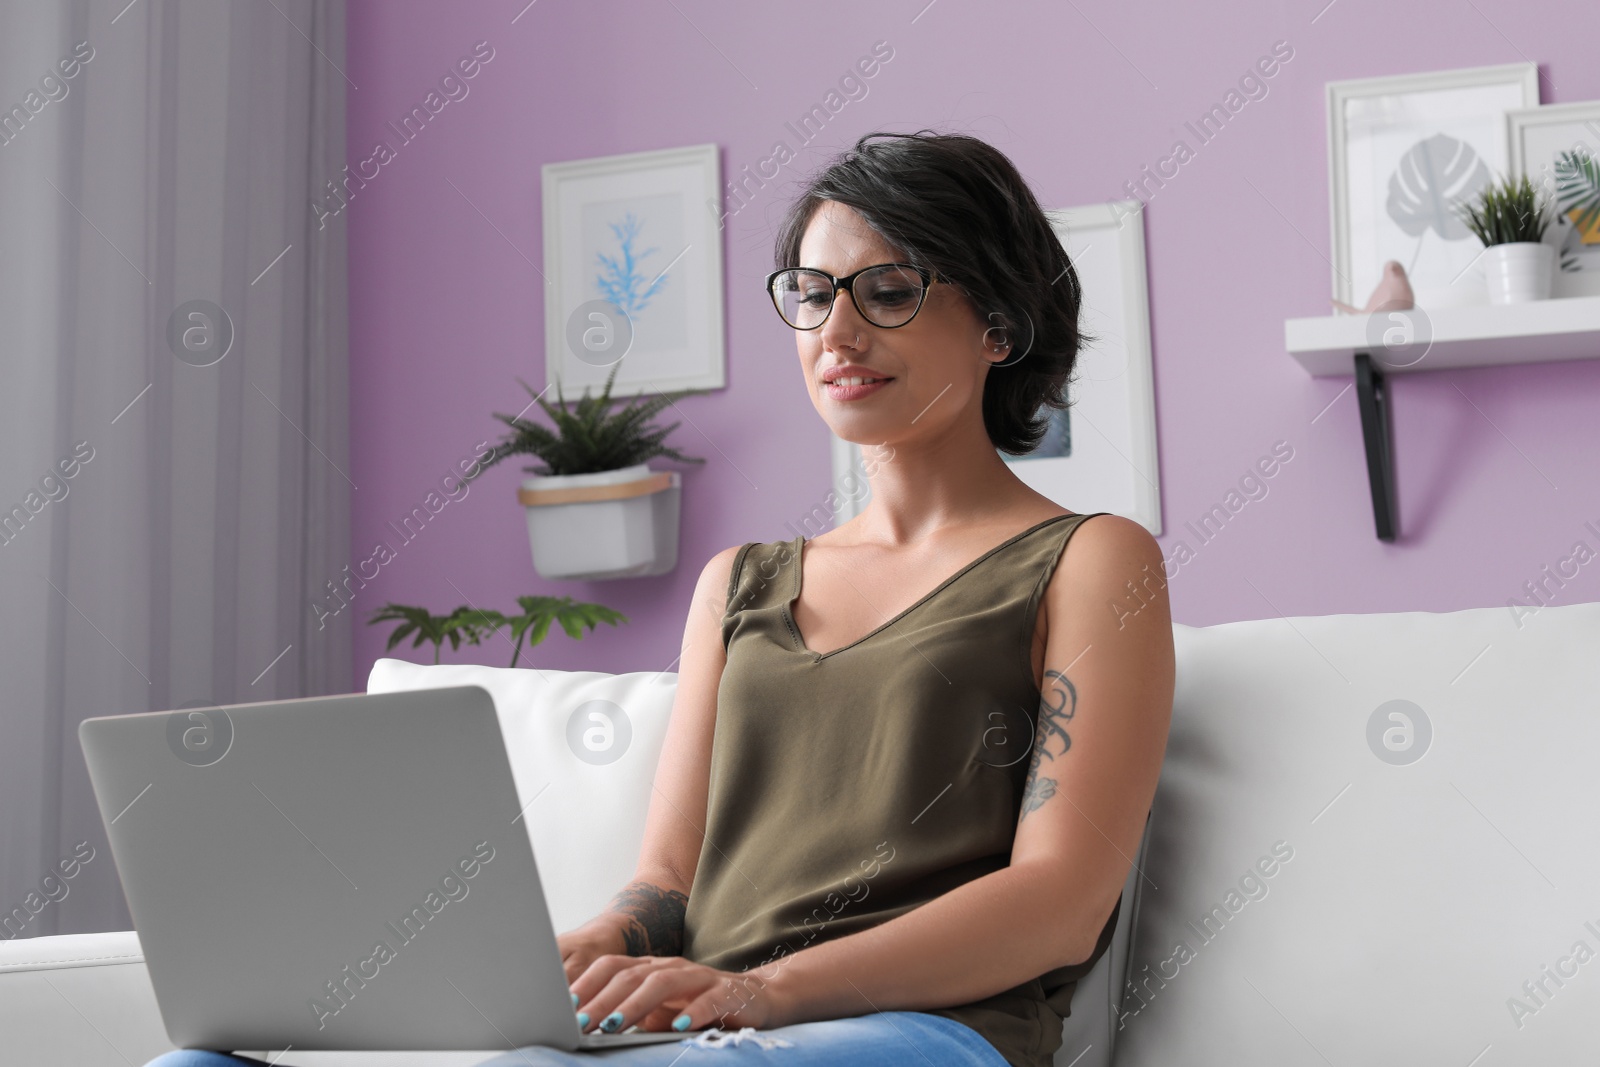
x=583, y=748
x=1323, y=896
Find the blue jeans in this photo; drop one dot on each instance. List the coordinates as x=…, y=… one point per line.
x=882, y=1039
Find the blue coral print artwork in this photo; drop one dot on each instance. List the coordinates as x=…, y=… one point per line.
x=623, y=279
x=633, y=251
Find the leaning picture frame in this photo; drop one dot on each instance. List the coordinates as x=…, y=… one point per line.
x=1099, y=454
x=1402, y=152
x=1535, y=137
x=634, y=272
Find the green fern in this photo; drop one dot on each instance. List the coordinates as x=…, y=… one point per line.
x=587, y=436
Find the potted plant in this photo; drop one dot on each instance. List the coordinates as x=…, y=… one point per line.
x=1510, y=217
x=595, y=509
x=473, y=625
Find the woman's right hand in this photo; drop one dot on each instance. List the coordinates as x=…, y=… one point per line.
x=600, y=936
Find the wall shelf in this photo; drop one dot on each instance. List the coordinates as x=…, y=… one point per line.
x=1371, y=347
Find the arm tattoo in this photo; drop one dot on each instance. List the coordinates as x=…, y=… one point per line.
x=1053, y=719
x=655, y=919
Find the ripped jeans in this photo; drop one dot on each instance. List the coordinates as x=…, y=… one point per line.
x=882, y=1039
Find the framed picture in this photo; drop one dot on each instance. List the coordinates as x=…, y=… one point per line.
x=1535, y=137
x=633, y=272
x=1402, y=152
x=1099, y=454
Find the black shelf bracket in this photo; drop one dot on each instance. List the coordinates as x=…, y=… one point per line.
x=1372, y=391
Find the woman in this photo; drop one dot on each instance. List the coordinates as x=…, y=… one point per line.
x=910, y=759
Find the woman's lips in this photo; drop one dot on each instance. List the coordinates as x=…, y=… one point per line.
x=838, y=391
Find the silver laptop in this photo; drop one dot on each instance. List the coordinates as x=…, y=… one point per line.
x=345, y=872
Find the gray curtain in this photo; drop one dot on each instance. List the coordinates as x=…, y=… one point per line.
x=172, y=500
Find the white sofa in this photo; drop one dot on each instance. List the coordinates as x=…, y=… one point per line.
x=1310, y=892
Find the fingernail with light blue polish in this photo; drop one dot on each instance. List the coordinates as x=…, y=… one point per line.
x=574, y=1000
x=612, y=1023
x=583, y=1020
x=681, y=1023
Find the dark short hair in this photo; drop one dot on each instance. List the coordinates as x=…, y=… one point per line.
x=957, y=206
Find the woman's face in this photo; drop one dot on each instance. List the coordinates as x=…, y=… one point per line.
x=935, y=364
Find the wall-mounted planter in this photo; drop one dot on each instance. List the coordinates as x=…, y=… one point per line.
x=615, y=524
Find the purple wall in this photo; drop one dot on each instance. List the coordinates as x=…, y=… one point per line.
x=1497, y=467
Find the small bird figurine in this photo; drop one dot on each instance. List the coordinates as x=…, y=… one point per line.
x=1392, y=294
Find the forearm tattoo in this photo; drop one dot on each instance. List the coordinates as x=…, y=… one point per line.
x=655, y=919
x=1058, y=704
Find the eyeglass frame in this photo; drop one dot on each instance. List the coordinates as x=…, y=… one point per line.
x=847, y=283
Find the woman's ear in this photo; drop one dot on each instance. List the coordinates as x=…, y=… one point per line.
x=996, y=340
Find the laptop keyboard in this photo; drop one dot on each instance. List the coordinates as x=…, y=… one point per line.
x=630, y=1037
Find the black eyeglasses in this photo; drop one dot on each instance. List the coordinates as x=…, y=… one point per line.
x=886, y=295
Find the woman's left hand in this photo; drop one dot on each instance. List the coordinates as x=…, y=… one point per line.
x=653, y=991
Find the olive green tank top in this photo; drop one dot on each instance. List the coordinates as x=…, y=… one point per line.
x=852, y=786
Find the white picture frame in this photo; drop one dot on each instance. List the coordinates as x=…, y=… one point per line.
x=1385, y=136
x=1112, y=464
x=634, y=272
x=1533, y=137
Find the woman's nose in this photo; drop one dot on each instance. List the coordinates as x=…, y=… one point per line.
x=844, y=324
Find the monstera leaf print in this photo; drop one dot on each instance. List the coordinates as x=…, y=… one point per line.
x=1429, y=180
x=1577, y=191
x=1577, y=181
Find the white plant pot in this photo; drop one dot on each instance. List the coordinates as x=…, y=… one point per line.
x=615, y=524
x=1519, y=272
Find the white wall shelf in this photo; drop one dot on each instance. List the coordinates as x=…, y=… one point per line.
x=1479, y=335
x=1372, y=346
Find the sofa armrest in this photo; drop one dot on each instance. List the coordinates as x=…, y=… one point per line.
x=78, y=1000
x=85, y=1000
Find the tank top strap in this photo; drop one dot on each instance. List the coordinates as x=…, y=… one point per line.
x=759, y=581
x=1036, y=564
